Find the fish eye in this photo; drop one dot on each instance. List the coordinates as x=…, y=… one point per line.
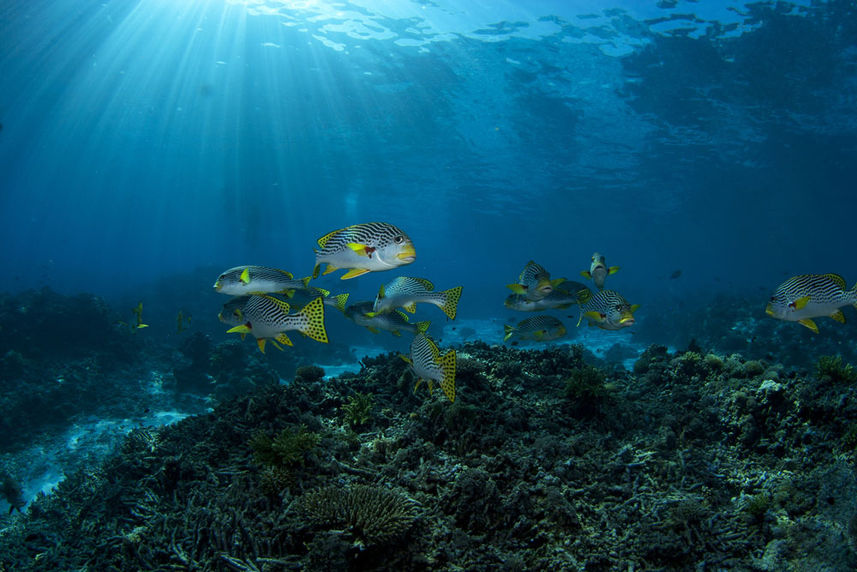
x=399, y=239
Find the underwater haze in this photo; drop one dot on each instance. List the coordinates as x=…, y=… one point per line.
x=144, y=139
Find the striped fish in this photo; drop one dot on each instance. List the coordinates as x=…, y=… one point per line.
x=427, y=364
x=801, y=298
x=534, y=282
x=566, y=295
x=537, y=328
x=608, y=310
x=245, y=280
x=267, y=318
x=396, y=322
x=598, y=270
x=362, y=248
x=404, y=292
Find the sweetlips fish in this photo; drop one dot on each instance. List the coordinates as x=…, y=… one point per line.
x=396, y=322
x=300, y=297
x=598, y=270
x=566, y=295
x=807, y=296
x=534, y=282
x=608, y=310
x=362, y=248
x=427, y=364
x=232, y=312
x=537, y=328
x=404, y=292
x=267, y=318
x=244, y=280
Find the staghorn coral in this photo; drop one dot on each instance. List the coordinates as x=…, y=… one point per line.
x=373, y=515
x=288, y=448
x=357, y=411
x=833, y=368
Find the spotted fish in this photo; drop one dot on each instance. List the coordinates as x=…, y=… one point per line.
x=267, y=318
x=427, y=364
x=537, y=328
x=608, y=310
x=404, y=292
x=362, y=248
x=534, y=282
x=396, y=322
x=245, y=280
x=807, y=296
x=598, y=270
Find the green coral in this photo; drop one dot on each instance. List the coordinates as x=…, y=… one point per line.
x=287, y=449
x=373, y=515
x=849, y=439
x=833, y=368
x=587, y=390
x=358, y=409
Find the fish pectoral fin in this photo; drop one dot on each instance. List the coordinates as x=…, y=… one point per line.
x=330, y=268
x=585, y=274
x=801, y=302
x=507, y=332
x=405, y=358
x=245, y=276
x=634, y=308
x=594, y=316
x=361, y=249
x=517, y=288
x=242, y=329
x=809, y=324
x=838, y=316
x=613, y=270
x=353, y=273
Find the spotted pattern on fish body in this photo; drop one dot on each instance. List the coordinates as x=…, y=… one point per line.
x=405, y=292
x=245, y=280
x=807, y=296
x=608, y=310
x=428, y=364
x=268, y=317
x=537, y=328
x=362, y=248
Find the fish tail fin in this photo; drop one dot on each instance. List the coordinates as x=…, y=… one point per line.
x=341, y=299
x=314, y=326
x=447, y=383
x=450, y=303
x=507, y=332
x=422, y=327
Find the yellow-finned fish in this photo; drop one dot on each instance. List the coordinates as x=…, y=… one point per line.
x=427, y=364
x=302, y=296
x=405, y=292
x=396, y=322
x=245, y=280
x=267, y=318
x=608, y=310
x=534, y=282
x=566, y=295
x=362, y=248
x=598, y=270
x=807, y=296
x=537, y=328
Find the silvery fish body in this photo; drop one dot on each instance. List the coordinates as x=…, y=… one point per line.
x=245, y=280
x=405, y=292
x=427, y=364
x=598, y=270
x=608, y=310
x=362, y=248
x=395, y=322
x=564, y=296
x=807, y=296
x=537, y=328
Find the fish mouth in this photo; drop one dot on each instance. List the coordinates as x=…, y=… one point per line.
x=217, y=286
x=627, y=320
x=408, y=254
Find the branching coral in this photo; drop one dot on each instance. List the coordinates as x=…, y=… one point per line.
x=358, y=408
x=288, y=448
x=835, y=369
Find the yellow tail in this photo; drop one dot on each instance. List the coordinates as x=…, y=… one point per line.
x=314, y=326
x=450, y=304
x=447, y=384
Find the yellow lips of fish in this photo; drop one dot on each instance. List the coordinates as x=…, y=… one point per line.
x=408, y=254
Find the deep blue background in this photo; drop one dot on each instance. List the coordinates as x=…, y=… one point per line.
x=148, y=139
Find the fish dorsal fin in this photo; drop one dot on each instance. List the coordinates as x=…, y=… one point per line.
x=403, y=315
x=425, y=283
x=324, y=239
x=245, y=276
x=838, y=280
x=282, y=306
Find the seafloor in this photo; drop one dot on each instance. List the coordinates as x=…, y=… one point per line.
x=548, y=459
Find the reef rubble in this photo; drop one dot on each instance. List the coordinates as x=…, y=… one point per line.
x=548, y=459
